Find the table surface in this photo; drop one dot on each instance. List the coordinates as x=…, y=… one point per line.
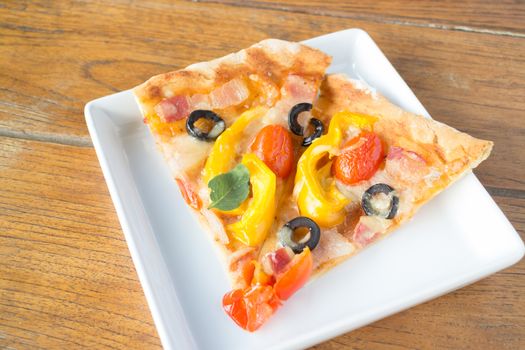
x=66, y=276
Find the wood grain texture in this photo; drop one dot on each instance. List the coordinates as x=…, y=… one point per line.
x=66, y=278
x=67, y=281
x=470, y=81
x=502, y=17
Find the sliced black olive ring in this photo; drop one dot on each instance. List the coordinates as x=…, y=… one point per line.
x=375, y=206
x=310, y=240
x=318, y=131
x=297, y=129
x=216, y=130
x=293, y=123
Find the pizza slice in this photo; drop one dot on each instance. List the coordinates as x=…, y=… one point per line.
x=368, y=174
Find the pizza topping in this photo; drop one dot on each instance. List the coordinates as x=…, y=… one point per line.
x=297, y=88
x=318, y=131
x=253, y=273
x=199, y=101
x=298, y=129
x=368, y=229
x=224, y=150
x=359, y=159
x=317, y=195
x=257, y=220
x=294, y=276
x=380, y=200
x=173, y=108
x=333, y=245
x=406, y=166
x=293, y=116
x=288, y=233
x=217, y=128
x=251, y=307
x=230, y=94
x=230, y=189
x=400, y=153
x=275, y=262
x=273, y=145
x=179, y=107
x=194, y=155
x=363, y=235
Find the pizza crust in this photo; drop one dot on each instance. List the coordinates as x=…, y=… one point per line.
x=271, y=58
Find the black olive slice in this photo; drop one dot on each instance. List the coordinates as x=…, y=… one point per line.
x=310, y=240
x=216, y=130
x=318, y=131
x=374, y=205
x=293, y=123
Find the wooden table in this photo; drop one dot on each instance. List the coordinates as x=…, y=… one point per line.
x=66, y=277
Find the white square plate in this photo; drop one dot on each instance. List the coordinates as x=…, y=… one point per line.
x=450, y=243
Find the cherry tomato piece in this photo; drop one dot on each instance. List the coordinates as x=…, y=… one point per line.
x=189, y=195
x=273, y=145
x=360, y=158
x=293, y=278
x=247, y=272
x=251, y=307
x=234, y=305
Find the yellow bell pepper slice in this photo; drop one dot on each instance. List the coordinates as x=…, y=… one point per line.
x=258, y=218
x=317, y=196
x=223, y=152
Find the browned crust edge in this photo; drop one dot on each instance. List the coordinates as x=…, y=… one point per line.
x=271, y=58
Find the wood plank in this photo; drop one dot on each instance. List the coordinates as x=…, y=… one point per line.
x=82, y=50
x=504, y=17
x=66, y=277
x=67, y=281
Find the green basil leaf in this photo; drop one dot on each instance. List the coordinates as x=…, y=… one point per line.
x=230, y=189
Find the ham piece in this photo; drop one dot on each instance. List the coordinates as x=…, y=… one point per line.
x=406, y=166
x=230, y=94
x=173, y=108
x=298, y=89
x=179, y=107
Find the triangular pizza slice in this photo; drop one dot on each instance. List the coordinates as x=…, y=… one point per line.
x=285, y=190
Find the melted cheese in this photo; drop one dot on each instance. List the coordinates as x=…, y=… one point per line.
x=194, y=155
x=332, y=245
